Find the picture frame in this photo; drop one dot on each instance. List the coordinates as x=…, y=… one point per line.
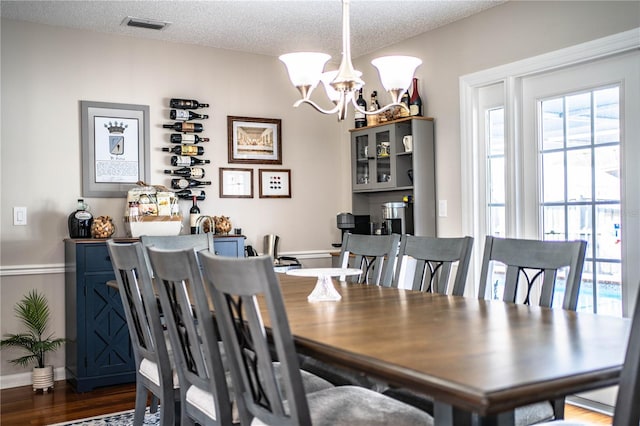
x=254, y=140
x=275, y=183
x=114, y=148
x=236, y=183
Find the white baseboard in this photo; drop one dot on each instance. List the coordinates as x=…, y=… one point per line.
x=24, y=379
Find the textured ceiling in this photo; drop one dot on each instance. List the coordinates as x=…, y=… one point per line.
x=261, y=27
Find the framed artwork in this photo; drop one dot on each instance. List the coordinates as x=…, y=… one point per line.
x=275, y=183
x=115, y=148
x=236, y=183
x=254, y=140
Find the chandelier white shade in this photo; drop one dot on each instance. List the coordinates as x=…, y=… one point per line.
x=306, y=71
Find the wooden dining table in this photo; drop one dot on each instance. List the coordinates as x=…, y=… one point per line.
x=478, y=359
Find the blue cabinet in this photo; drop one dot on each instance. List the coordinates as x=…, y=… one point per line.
x=98, y=351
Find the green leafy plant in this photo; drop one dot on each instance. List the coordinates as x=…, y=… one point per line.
x=33, y=311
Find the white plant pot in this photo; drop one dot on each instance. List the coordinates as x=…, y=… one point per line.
x=42, y=378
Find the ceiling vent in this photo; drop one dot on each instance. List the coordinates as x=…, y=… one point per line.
x=149, y=24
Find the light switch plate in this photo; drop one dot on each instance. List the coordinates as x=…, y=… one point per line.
x=19, y=216
x=442, y=208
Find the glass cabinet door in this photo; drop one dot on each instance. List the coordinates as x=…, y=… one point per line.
x=383, y=156
x=362, y=153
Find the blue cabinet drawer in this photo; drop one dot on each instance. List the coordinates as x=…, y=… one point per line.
x=96, y=258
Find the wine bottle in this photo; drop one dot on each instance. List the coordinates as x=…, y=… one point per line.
x=183, y=183
x=184, y=115
x=80, y=221
x=185, y=150
x=188, y=194
x=415, y=104
x=183, y=126
x=186, y=160
x=373, y=106
x=186, y=104
x=360, y=117
x=187, y=172
x=187, y=138
x=406, y=111
x=194, y=215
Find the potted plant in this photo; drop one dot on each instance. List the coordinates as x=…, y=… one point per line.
x=33, y=311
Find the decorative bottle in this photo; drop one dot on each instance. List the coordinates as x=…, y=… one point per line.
x=80, y=221
x=187, y=172
x=405, y=100
x=183, y=126
x=373, y=119
x=186, y=160
x=185, y=150
x=188, y=194
x=415, y=103
x=186, y=104
x=186, y=138
x=183, y=183
x=194, y=215
x=184, y=115
x=360, y=117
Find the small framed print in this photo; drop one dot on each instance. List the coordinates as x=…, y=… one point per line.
x=275, y=183
x=236, y=183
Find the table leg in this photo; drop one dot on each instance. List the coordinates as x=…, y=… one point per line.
x=446, y=415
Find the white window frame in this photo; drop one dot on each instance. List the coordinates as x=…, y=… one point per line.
x=511, y=75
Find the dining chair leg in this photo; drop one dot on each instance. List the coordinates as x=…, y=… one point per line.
x=558, y=408
x=141, y=404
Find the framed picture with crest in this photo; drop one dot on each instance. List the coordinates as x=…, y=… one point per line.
x=115, y=148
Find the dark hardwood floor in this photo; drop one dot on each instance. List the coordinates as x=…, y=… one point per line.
x=21, y=406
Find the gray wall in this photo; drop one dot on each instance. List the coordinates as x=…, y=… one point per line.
x=47, y=70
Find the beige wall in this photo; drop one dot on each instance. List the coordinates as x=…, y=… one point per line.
x=47, y=70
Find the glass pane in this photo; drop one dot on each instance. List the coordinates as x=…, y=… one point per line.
x=578, y=120
x=579, y=175
x=609, y=289
x=585, y=296
x=552, y=124
x=553, y=177
x=608, y=227
x=553, y=223
x=362, y=162
x=383, y=157
x=496, y=185
x=607, y=178
x=496, y=132
x=607, y=115
x=580, y=225
x=496, y=221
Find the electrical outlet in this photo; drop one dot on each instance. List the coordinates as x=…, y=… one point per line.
x=19, y=216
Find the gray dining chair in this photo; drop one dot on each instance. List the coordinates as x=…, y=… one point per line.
x=236, y=285
x=427, y=262
x=533, y=260
x=204, y=388
x=375, y=255
x=177, y=242
x=627, y=408
x=154, y=367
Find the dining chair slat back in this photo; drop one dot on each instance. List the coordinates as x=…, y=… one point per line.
x=154, y=370
x=375, y=255
x=194, y=338
x=238, y=287
x=434, y=258
x=177, y=242
x=544, y=258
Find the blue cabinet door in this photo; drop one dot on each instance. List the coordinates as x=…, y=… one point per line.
x=229, y=246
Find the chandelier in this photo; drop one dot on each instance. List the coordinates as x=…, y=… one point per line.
x=306, y=71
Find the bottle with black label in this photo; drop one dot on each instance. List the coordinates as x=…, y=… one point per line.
x=185, y=127
x=415, y=103
x=186, y=138
x=185, y=150
x=360, y=117
x=184, y=115
x=183, y=183
x=80, y=221
x=186, y=161
x=373, y=119
x=187, y=172
x=186, y=104
x=194, y=215
x=188, y=194
x=406, y=111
